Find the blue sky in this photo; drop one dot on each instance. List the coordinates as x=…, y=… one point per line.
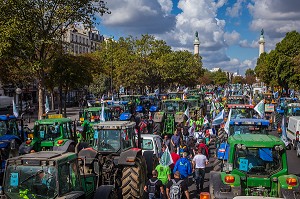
x=228, y=29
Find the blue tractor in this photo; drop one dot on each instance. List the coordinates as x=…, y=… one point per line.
x=237, y=127
x=11, y=137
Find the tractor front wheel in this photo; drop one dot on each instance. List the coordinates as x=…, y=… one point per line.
x=133, y=180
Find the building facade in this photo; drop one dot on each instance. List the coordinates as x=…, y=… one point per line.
x=79, y=40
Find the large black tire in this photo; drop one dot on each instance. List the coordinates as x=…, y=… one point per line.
x=133, y=180
x=157, y=128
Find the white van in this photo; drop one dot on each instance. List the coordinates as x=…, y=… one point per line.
x=5, y=102
x=293, y=130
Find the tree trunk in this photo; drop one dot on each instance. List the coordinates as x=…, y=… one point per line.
x=52, y=100
x=41, y=99
x=65, y=103
x=60, y=100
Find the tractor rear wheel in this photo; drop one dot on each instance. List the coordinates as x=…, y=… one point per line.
x=133, y=180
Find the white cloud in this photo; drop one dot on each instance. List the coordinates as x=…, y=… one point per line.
x=277, y=17
x=236, y=9
x=231, y=38
x=166, y=5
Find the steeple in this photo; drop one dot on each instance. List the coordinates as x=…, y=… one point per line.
x=196, y=44
x=261, y=42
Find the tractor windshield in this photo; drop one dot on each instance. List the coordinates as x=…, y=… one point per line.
x=193, y=103
x=48, y=131
x=173, y=106
x=257, y=161
x=30, y=182
x=107, y=140
x=3, y=128
x=247, y=129
x=236, y=101
x=239, y=113
x=113, y=140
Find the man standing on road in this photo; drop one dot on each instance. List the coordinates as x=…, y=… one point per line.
x=154, y=187
x=184, y=166
x=175, y=141
x=199, y=163
x=179, y=185
x=175, y=158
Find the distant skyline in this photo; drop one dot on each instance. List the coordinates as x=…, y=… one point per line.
x=229, y=30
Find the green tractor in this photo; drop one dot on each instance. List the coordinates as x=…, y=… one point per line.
x=195, y=108
x=170, y=114
x=47, y=175
x=256, y=166
x=55, y=134
x=116, y=157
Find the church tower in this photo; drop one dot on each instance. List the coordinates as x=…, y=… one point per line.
x=261, y=43
x=196, y=44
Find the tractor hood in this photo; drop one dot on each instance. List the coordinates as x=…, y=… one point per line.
x=5, y=140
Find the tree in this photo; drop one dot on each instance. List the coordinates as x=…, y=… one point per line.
x=250, y=77
x=238, y=80
x=220, y=77
x=32, y=30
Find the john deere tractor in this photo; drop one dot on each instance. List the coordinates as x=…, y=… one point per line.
x=47, y=175
x=55, y=134
x=256, y=166
x=170, y=114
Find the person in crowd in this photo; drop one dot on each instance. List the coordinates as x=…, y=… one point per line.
x=202, y=146
x=183, y=148
x=167, y=141
x=175, y=141
x=184, y=166
x=199, y=163
x=163, y=148
x=164, y=173
x=177, y=188
x=154, y=187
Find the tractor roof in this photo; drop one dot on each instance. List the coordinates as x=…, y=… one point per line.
x=36, y=158
x=249, y=121
x=255, y=140
x=53, y=120
x=99, y=108
x=114, y=125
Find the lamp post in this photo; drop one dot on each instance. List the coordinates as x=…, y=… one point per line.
x=19, y=99
x=112, y=67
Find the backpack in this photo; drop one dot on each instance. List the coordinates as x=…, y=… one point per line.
x=175, y=190
x=152, y=188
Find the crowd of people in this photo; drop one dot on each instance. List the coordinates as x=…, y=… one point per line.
x=182, y=163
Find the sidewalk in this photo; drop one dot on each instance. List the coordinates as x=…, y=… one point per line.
x=72, y=113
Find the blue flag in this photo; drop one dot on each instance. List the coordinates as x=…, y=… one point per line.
x=47, y=108
x=218, y=119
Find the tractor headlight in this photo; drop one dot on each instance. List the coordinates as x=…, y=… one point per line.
x=280, y=147
x=277, y=148
x=239, y=146
x=228, y=167
x=244, y=147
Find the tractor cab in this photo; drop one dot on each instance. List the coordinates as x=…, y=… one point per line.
x=55, y=134
x=239, y=111
x=114, y=136
x=93, y=114
x=237, y=99
x=45, y=175
x=175, y=95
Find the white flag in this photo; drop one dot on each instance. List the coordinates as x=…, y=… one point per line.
x=102, y=117
x=283, y=134
x=15, y=110
x=260, y=108
x=187, y=112
x=226, y=128
x=166, y=158
x=47, y=108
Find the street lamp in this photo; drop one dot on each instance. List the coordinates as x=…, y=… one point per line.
x=19, y=99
